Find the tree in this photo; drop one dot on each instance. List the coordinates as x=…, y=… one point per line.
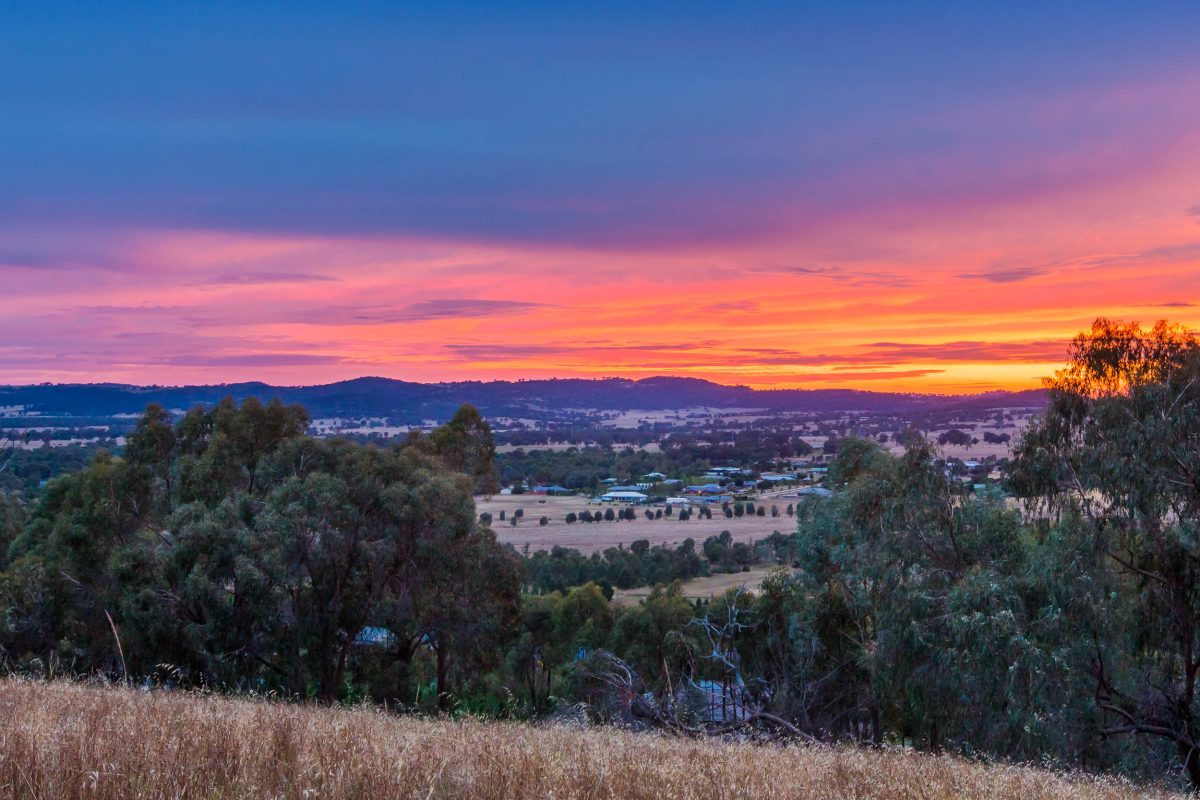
x=466, y=444
x=249, y=555
x=1114, y=461
x=955, y=437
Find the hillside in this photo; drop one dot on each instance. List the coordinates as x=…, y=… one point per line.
x=68, y=741
x=383, y=397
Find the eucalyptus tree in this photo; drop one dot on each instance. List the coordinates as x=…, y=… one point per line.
x=1116, y=459
x=241, y=552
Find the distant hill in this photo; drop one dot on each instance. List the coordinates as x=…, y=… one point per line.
x=407, y=401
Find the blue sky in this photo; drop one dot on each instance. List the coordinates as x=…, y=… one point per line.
x=841, y=145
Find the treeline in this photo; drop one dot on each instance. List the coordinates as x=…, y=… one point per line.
x=682, y=455
x=25, y=471
x=229, y=549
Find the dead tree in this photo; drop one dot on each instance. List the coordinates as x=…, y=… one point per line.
x=637, y=703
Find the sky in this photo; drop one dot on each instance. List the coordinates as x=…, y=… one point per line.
x=918, y=196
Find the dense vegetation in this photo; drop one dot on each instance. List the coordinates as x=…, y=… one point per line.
x=229, y=549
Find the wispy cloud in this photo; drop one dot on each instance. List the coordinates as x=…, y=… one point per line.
x=968, y=351
x=737, y=306
x=251, y=360
x=893, y=279
x=1008, y=274
x=258, y=278
x=427, y=310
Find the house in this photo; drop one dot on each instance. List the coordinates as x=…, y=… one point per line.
x=811, y=491
x=623, y=497
x=679, y=502
x=375, y=638
x=714, y=499
x=711, y=701
x=654, y=476
x=776, y=477
x=708, y=488
x=610, y=481
x=633, y=488
x=550, y=490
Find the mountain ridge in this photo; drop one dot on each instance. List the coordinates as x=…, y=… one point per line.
x=388, y=397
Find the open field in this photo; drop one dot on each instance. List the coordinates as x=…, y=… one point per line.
x=69, y=742
x=599, y=536
x=700, y=588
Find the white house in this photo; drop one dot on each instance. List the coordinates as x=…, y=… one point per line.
x=624, y=497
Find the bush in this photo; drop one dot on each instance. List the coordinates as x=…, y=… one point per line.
x=544, y=521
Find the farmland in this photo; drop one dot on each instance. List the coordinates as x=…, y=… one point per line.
x=702, y=588
x=598, y=536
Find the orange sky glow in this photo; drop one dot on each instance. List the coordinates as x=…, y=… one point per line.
x=928, y=202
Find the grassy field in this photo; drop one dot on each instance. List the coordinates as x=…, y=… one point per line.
x=598, y=536
x=71, y=742
x=710, y=586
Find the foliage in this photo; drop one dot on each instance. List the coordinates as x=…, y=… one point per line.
x=242, y=553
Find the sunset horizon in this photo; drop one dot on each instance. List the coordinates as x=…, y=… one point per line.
x=930, y=200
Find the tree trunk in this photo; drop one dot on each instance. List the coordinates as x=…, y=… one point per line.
x=442, y=668
x=1191, y=764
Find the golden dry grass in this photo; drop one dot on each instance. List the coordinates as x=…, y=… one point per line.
x=67, y=741
x=599, y=536
x=701, y=588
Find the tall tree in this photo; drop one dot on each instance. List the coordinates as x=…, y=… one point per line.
x=1116, y=457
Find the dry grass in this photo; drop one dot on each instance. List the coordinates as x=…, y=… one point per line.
x=701, y=588
x=67, y=741
x=599, y=536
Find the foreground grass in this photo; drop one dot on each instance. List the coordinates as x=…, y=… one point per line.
x=61, y=740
